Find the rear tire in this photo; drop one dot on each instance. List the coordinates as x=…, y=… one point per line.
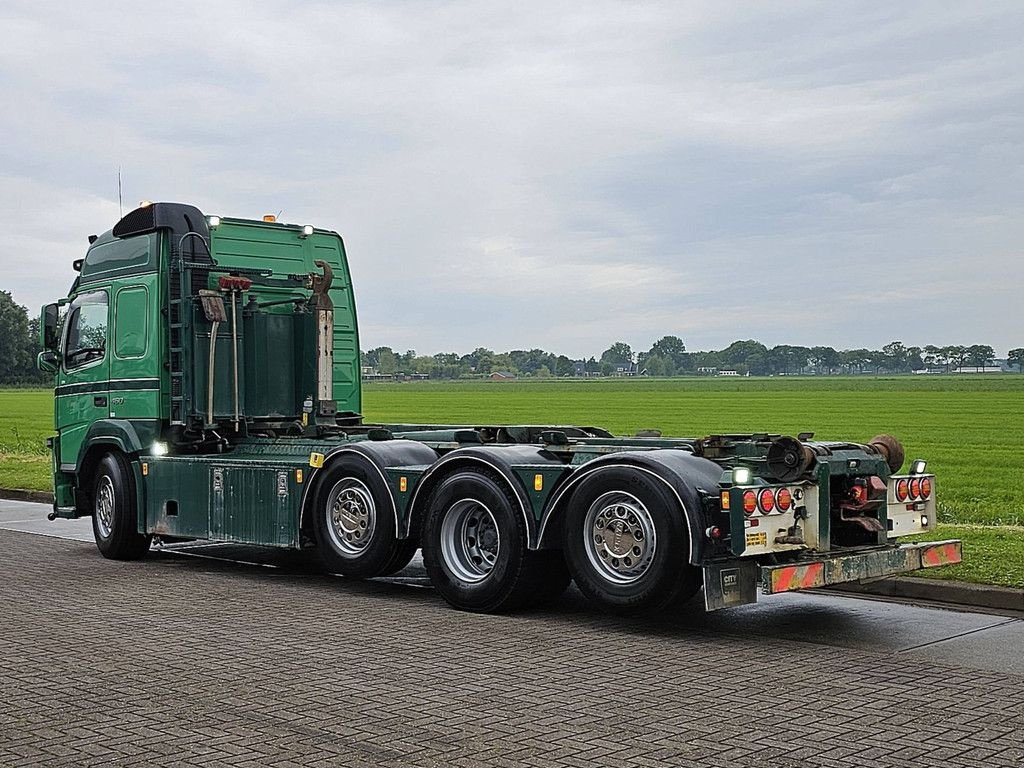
x=354, y=522
x=475, y=548
x=627, y=543
x=114, y=514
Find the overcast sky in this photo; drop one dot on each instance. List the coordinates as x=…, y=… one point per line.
x=516, y=175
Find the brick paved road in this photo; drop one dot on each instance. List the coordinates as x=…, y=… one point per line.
x=177, y=661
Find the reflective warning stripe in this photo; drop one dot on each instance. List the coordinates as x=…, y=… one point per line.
x=941, y=555
x=798, y=577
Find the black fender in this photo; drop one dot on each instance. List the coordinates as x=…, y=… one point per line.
x=686, y=475
x=499, y=459
x=379, y=455
x=116, y=433
x=105, y=435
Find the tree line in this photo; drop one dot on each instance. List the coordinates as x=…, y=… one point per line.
x=669, y=357
x=19, y=334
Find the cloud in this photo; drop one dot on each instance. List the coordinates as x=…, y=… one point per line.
x=542, y=176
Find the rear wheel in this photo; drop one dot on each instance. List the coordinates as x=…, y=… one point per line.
x=354, y=522
x=475, y=548
x=627, y=542
x=114, y=514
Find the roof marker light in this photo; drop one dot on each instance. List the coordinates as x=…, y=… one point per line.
x=213, y=221
x=306, y=231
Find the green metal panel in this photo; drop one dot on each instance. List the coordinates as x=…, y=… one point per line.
x=271, y=378
x=177, y=496
x=281, y=248
x=550, y=475
x=254, y=504
x=402, y=496
x=237, y=498
x=131, y=322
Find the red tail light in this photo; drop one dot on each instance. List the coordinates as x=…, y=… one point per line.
x=915, y=488
x=902, y=490
x=767, y=500
x=749, y=502
x=784, y=499
x=926, y=487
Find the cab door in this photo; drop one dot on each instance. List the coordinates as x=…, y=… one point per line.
x=83, y=380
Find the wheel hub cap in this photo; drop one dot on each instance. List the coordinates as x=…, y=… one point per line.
x=104, y=510
x=470, y=541
x=352, y=516
x=620, y=537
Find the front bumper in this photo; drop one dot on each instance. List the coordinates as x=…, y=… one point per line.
x=735, y=583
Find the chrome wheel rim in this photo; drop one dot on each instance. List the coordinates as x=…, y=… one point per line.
x=470, y=541
x=620, y=537
x=104, y=511
x=351, y=516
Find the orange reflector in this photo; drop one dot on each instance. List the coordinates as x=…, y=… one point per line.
x=538, y=482
x=403, y=484
x=298, y=475
x=145, y=468
x=270, y=217
x=943, y=554
x=725, y=500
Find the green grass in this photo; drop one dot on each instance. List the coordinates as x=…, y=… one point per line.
x=26, y=420
x=992, y=555
x=969, y=428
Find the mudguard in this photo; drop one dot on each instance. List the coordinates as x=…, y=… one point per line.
x=119, y=433
x=499, y=459
x=380, y=455
x=686, y=475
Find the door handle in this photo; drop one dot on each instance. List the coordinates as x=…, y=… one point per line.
x=100, y=402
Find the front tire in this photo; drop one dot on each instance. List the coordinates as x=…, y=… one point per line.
x=114, y=514
x=354, y=523
x=475, y=548
x=627, y=543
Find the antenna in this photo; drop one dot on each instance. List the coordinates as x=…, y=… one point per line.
x=120, y=205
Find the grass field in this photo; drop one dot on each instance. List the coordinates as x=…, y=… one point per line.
x=969, y=428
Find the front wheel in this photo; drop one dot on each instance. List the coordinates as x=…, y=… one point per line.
x=114, y=515
x=627, y=542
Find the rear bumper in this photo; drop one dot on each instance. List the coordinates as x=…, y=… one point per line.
x=735, y=582
x=864, y=565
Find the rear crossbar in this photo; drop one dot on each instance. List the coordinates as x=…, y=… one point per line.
x=735, y=582
x=864, y=565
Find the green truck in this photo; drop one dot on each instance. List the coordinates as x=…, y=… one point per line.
x=207, y=387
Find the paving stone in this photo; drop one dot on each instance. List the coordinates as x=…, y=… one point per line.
x=177, y=661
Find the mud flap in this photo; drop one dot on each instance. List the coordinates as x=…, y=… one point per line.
x=727, y=585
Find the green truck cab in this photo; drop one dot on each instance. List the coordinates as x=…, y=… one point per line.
x=207, y=386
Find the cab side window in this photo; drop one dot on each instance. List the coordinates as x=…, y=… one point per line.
x=87, y=330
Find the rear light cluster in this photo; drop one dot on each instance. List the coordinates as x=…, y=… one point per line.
x=913, y=489
x=767, y=501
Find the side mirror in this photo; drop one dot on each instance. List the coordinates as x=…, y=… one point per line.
x=48, y=324
x=48, y=361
